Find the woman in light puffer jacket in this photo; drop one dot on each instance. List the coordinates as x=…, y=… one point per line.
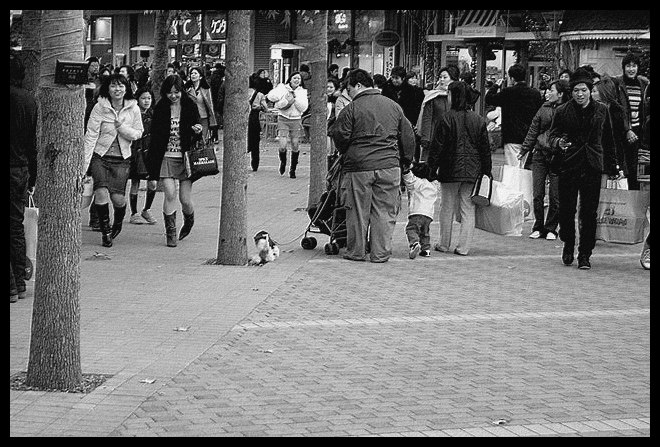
x=114, y=123
x=291, y=101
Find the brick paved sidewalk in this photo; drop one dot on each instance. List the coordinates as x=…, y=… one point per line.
x=313, y=345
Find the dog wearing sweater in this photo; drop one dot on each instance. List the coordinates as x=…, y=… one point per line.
x=267, y=249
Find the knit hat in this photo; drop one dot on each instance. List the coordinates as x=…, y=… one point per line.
x=581, y=76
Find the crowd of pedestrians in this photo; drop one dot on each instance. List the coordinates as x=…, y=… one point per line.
x=392, y=134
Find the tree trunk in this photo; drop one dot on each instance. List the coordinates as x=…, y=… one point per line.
x=54, y=361
x=317, y=54
x=232, y=246
x=30, y=51
x=163, y=21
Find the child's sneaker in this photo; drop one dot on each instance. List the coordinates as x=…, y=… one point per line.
x=146, y=215
x=414, y=250
x=425, y=253
x=136, y=219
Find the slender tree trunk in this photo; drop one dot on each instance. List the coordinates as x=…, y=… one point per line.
x=163, y=21
x=30, y=51
x=232, y=240
x=55, y=340
x=317, y=54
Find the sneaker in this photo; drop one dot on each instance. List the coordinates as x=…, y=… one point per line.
x=13, y=298
x=456, y=252
x=567, y=256
x=583, y=263
x=22, y=295
x=146, y=215
x=645, y=259
x=136, y=219
x=414, y=250
x=551, y=236
x=425, y=253
x=535, y=235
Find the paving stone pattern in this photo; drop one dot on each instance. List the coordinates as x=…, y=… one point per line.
x=315, y=345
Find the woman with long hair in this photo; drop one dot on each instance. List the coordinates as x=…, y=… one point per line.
x=257, y=105
x=114, y=123
x=200, y=92
x=459, y=154
x=544, y=163
x=174, y=128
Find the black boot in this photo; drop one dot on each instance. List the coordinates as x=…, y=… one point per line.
x=103, y=213
x=93, y=219
x=294, y=164
x=118, y=220
x=188, y=222
x=282, y=162
x=170, y=228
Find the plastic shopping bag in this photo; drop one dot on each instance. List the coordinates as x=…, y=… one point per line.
x=30, y=225
x=519, y=179
x=621, y=215
x=88, y=192
x=504, y=215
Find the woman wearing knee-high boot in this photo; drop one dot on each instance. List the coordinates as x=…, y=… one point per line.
x=114, y=123
x=174, y=128
x=291, y=101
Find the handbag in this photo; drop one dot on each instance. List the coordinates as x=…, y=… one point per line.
x=621, y=215
x=201, y=161
x=88, y=192
x=30, y=225
x=482, y=191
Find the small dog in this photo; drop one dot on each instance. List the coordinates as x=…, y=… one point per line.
x=267, y=249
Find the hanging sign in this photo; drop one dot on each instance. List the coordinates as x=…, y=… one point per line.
x=216, y=26
x=387, y=38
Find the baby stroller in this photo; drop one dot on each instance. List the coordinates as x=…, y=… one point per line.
x=328, y=216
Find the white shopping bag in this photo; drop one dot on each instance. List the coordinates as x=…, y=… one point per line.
x=504, y=215
x=519, y=179
x=30, y=225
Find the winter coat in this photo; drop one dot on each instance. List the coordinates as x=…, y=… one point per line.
x=537, y=137
x=160, y=131
x=589, y=130
x=208, y=103
x=460, y=150
x=433, y=109
x=281, y=94
x=623, y=98
x=409, y=97
x=519, y=104
x=422, y=195
x=101, y=131
x=373, y=133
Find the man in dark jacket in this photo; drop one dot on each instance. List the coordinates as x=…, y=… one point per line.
x=22, y=171
x=582, y=131
x=375, y=140
x=519, y=104
x=409, y=97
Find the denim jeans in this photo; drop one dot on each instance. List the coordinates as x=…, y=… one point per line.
x=453, y=192
x=541, y=172
x=417, y=230
x=18, y=180
x=586, y=182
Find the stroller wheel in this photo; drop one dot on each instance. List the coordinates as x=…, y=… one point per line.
x=308, y=243
x=327, y=248
x=335, y=248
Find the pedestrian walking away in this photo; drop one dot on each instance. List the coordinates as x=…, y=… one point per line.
x=174, y=128
x=458, y=155
x=422, y=196
x=581, y=132
x=519, y=103
x=22, y=172
x=291, y=102
x=258, y=104
x=376, y=139
x=115, y=122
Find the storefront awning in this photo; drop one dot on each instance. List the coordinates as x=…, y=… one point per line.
x=286, y=46
x=603, y=35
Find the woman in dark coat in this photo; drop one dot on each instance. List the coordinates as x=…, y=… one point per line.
x=458, y=155
x=174, y=128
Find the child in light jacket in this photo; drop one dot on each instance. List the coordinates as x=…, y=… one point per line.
x=422, y=195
